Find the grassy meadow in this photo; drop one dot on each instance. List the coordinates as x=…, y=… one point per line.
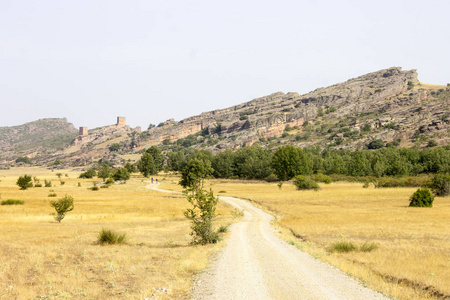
x=43, y=259
x=412, y=255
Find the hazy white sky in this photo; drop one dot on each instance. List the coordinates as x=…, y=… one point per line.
x=91, y=61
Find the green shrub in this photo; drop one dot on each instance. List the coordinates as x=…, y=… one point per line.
x=387, y=182
x=38, y=185
x=422, y=198
x=105, y=186
x=322, y=178
x=62, y=206
x=47, y=183
x=94, y=188
x=24, y=182
x=107, y=236
x=110, y=181
x=52, y=195
x=88, y=174
x=12, y=202
x=342, y=247
x=440, y=184
x=305, y=183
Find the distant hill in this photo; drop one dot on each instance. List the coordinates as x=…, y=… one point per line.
x=41, y=136
x=389, y=106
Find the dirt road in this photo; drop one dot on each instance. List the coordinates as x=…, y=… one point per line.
x=256, y=264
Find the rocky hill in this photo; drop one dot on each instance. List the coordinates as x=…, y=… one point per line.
x=43, y=137
x=390, y=105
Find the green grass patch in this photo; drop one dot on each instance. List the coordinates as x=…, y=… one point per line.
x=107, y=236
x=12, y=202
x=342, y=247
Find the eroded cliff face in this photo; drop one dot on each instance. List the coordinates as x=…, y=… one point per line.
x=392, y=91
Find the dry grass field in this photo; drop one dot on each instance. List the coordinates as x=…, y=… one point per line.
x=43, y=259
x=412, y=260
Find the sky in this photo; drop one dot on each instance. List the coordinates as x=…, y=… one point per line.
x=93, y=60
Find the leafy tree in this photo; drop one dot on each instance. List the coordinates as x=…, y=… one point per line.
x=440, y=184
x=289, y=161
x=62, y=206
x=176, y=161
x=360, y=165
x=121, y=174
x=253, y=162
x=24, y=182
x=203, y=203
x=131, y=168
x=223, y=164
x=104, y=171
x=146, y=165
x=158, y=158
x=193, y=175
x=150, y=126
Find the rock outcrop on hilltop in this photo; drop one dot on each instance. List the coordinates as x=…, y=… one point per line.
x=394, y=95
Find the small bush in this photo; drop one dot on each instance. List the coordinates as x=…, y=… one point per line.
x=88, y=174
x=105, y=186
x=422, y=198
x=38, y=185
x=271, y=178
x=24, y=182
x=62, y=182
x=12, y=202
x=305, y=183
x=342, y=247
x=94, y=188
x=107, y=236
x=62, y=206
x=440, y=184
x=47, y=183
x=52, y=195
x=322, y=178
x=109, y=181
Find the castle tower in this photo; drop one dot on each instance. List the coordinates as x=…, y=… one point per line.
x=83, y=131
x=121, y=121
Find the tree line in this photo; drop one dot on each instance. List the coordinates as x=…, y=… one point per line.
x=286, y=162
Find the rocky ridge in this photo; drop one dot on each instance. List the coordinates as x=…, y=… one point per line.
x=390, y=105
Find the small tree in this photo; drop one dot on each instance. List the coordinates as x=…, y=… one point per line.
x=104, y=171
x=146, y=165
x=203, y=203
x=422, y=198
x=88, y=174
x=62, y=206
x=24, y=182
x=121, y=174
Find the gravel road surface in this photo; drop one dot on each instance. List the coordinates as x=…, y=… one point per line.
x=256, y=264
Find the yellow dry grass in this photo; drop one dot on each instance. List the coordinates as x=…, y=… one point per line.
x=40, y=258
x=430, y=86
x=413, y=243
